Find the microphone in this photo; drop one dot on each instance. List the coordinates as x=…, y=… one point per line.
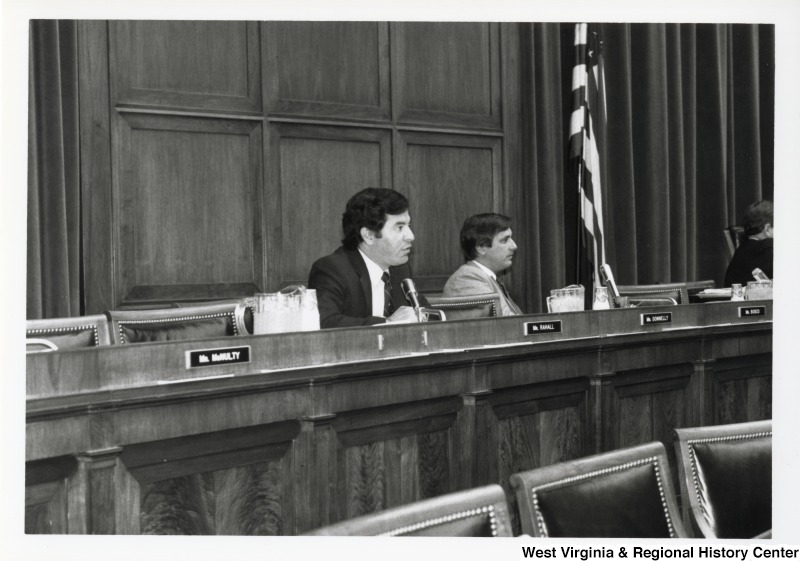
x=410, y=292
x=608, y=280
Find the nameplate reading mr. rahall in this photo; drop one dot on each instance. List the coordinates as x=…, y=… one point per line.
x=653, y=319
x=750, y=311
x=215, y=357
x=539, y=327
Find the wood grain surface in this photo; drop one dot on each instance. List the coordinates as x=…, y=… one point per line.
x=207, y=145
x=287, y=443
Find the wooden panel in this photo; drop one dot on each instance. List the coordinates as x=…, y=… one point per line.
x=243, y=501
x=95, y=134
x=648, y=405
x=394, y=455
x=234, y=482
x=46, y=496
x=446, y=178
x=313, y=173
x=446, y=73
x=46, y=508
x=523, y=280
x=187, y=207
x=327, y=69
x=536, y=426
x=742, y=390
x=182, y=65
x=387, y=473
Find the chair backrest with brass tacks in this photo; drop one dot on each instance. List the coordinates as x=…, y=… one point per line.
x=172, y=324
x=626, y=493
x=726, y=479
x=481, y=512
x=466, y=307
x=655, y=294
x=66, y=333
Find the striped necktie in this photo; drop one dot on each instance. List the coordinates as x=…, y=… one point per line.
x=388, y=307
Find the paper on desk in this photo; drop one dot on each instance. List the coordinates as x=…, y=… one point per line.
x=715, y=292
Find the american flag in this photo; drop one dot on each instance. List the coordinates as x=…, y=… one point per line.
x=586, y=125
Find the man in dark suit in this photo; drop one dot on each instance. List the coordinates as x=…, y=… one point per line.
x=757, y=250
x=360, y=282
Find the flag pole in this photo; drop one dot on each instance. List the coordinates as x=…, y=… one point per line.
x=581, y=165
x=579, y=216
x=579, y=221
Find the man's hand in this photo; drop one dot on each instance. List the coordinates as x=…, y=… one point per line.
x=403, y=314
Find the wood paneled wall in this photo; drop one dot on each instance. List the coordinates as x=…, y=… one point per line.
x=217, y=157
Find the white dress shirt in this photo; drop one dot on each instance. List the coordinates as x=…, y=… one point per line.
x=375, y=274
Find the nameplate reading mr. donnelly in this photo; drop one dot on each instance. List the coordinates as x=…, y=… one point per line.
x=215, y=357
x=539, y=327
x=653, y=319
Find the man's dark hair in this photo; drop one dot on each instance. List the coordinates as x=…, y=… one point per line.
x=756, y=216
x=368, y=209
x=479, y=231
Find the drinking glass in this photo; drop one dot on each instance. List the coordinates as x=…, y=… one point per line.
x=309, y=311
x=269, y=314
x=759, y=290
x=601, y=299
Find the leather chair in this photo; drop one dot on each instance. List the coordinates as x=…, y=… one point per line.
x=466, y=307
x=655, y=294
x=66, y=333
x=480, y=512
x=626, y=493
x=733, y=236
x=726, y=479
x=172, y=324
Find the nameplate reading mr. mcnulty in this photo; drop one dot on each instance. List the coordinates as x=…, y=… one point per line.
x=539, y=327
x=653, y=319
x=215, y=357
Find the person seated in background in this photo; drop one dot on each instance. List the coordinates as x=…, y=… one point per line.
x=756, y=250
x=360, y=282
x=488, y=251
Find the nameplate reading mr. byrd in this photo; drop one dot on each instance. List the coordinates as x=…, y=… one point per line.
x=661, y=317
x=538, y=327
x=215, y=357
x=750, y=311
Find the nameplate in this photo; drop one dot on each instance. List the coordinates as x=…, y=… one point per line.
x=653, y=319
x=215, y=357
x=751, y=311
x=539, y=327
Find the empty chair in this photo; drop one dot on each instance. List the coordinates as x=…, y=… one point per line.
x=467, y=307
x=726, y=479
x=172, y=324
x=626, y=493
x=481, y=512
x=66, y=333
x=655, y=294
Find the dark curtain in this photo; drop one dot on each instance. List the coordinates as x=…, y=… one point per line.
x=54, y=245
x=689, y=145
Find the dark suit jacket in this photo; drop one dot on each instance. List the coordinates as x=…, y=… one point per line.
x=749, y=255
x=344, y=290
